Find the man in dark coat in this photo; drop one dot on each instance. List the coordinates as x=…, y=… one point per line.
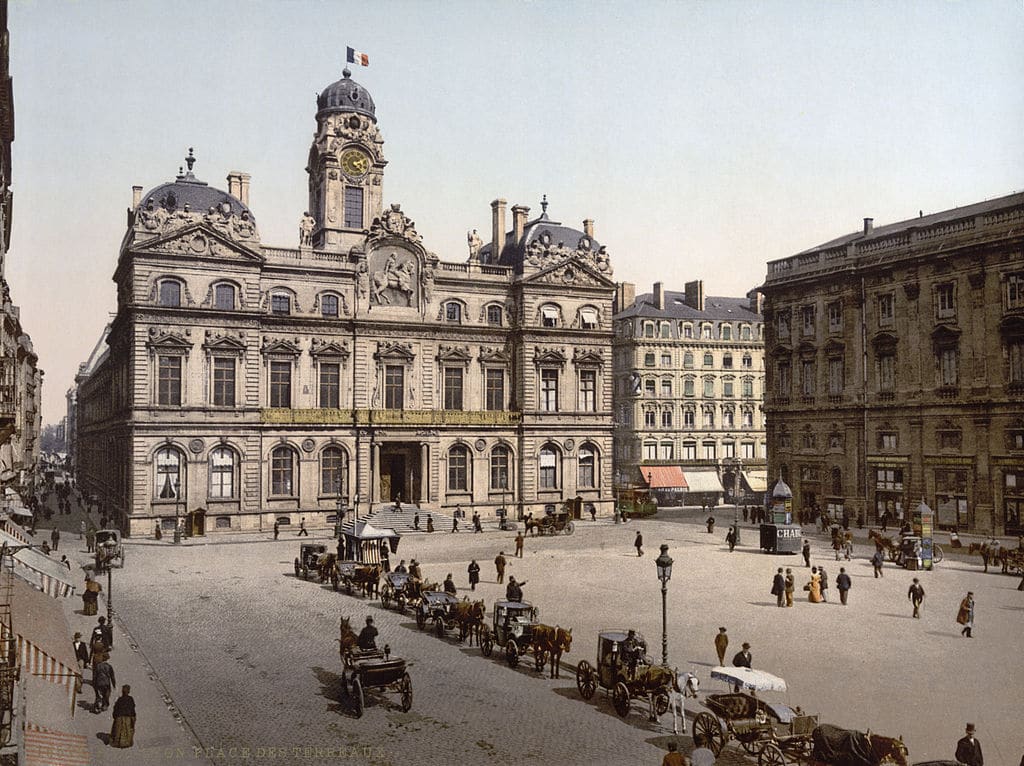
x=499, y=566
x=104, y=633
x=742, y=659
x=806, y=551
x=916, y=595
x=55, y=537
x=968, y=749
x=843, y=584
x=721, y=644
x=514, y=590
x=102, y=682
x=367, y=636
x=474, y=574
x=638, y=543
x=779, y=587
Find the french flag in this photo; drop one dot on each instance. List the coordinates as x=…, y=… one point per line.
x=355, y=57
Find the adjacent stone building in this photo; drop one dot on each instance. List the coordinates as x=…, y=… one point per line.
x=895, y=363
x=243, y=383
x=689, y=373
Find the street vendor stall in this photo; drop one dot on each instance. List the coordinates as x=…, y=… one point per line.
x=363, y=542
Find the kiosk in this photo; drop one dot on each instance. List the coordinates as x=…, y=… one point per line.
x=779, y=534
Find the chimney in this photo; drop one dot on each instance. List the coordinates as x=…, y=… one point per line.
x=136, y=196
x=625, y=296
x=756, y=301
x=695, y=294
x=238, y=186
x=244, y=188
x=659, y=296
x=869, y=225
x=588, y=227
x=497, y=229
x=519, y=214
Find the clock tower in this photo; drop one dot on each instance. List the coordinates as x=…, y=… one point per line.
x=346, y=166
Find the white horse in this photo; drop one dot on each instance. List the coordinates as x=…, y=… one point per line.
x=686, y=685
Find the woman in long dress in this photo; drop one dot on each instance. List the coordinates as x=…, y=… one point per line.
x=122, y=732
x=815, y=595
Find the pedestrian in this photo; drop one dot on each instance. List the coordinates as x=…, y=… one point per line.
x=91, y=596
x=876, y=561
x=711, y=524
x=968, y=749
x=474, y=574
x=721, y=644
x=277, y=529
x=302, y=528
x=416, y=522
x=65, y=562
x=449, y=584
x=843, y=584
x=790, y=586
x=90, y=539
x=459, y=513
x=455, y=523
x=477, y=527
x=514, y=590
x=824, y=584
x=520, y=540
x=104, y=632
x=430, y=523
x=673, y=757
x=157, y=532
x=499, y=565
x=806, y=551
x=916, y=595
x=593, y=512
x=884, y=520
x=385, y=555
x=82, y=657
x=965, y=614
x=81, y=529
x=701, y=755
x=414, y=571
x=55, y=537
x=742, y=659
x=745, y=514
x=638, y=543
x=102, y=682
x=730, y=537
x=122, y=731
x=813, y=588
x=778, y=587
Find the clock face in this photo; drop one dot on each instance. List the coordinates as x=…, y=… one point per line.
x=355, y=163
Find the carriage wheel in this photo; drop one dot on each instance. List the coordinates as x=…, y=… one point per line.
x=752, y=746
x=661, y=703
x=357, y=694
x=406, y=689
x=936, y=554
x=400, y=604
x=439, y=627
x=538, y=660
x=620, y=699
x=570, y=528
x=487, y=646
x=585, y=680
x=771, y=755
x=385, y=598
x=708, y=725
x=421, y=620
x=512, y=653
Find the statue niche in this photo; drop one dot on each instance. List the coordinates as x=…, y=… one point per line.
x=394, y=278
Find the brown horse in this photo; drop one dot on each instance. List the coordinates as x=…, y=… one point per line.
x=347, y=637
x=552, y=642
x=469, y=616
x=842, y=747
x=882, y=542
x=367, y=578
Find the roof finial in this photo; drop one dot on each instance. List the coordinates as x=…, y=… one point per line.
x=190, y=160
x=346, y=73
x=544, y=205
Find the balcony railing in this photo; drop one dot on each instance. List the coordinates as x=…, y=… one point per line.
x=330, y=416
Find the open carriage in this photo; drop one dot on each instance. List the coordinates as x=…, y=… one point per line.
x=309, y=558
x=399, y=589
x=436, y=607
x=366, y=669
x=625, y=678
x=776, y=733
x=555, y=523
x=512, y=629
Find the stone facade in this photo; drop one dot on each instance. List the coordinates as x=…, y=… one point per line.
x=244, y=383
x=689, y=373
x=896, y=369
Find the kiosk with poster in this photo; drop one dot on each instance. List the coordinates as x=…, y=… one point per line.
x=923, y=522
x=780, y=534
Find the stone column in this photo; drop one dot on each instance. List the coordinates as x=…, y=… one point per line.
x=424, y=473
x=374, y=493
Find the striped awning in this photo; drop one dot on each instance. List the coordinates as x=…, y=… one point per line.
x=48, y=747
x=36, y=568
x=664, y=477
x=703, y=480
x=43, y=637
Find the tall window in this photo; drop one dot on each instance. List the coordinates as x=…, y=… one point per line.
x=727, y=389
x=709, y=388
x=666, y=388
x=1015, y=352
x=280, y=303
x=726, y=332
x=549, y=390
x=394, y=387
x=688, y=360
x=282, y=472
x=452, y=312
x=807, y=377
x=665, y=451
x=666, y=418
x=587, y=474
x=709, y=451
x=836, y=380
x=649, y=359
x=548, y=468
x=747, y=362
x=689, y=450
x=333, y=470
x=169, y=380
x=330, y=384
x=728, y=450
x=745, y=332
x=807, y=317
x=329, y=305
x=494, y=394
x=782, y=325
x=748, y=388
x=885, y=309
x=167, y=484
x=500, y=462
x=650, y=451
x=222, y=473
x=688, y=418
x=494, y=315
x=458, y=469
x=650, y=418
x=353, y=207
x=728, y=419
x=835, y=316
x=224, y=297
x=947, y=367
x=170, y=293
x=688, y=387
x=886, y=372
x=747, y=420
x=453, y=387
x=727, y=361
x=223, y=382
x=280, y=384
x=705, y=331
x=945, y=301
x=709, y=360
x=785, y=384
x=709, y=417
x=747, y=450
x=1015, y=291
x=666, y=330
x=687, y=330
x=588, y=390
x=666, y=360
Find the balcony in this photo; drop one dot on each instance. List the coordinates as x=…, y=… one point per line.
x=330, y=416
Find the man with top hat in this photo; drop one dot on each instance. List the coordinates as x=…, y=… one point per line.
x=968, y=749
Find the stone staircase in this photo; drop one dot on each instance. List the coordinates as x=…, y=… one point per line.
x=401, y=518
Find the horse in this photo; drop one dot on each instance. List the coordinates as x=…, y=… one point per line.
x=469, y=615
x=686, y=685
x=533, y=525
x=367, y=577
x=347, y=637
x=882, y=542
x=553, y=642
x=843, y=747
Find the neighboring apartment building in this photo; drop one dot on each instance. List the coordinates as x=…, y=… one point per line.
x=242, y=383
x=689, y=378
x=896, y=369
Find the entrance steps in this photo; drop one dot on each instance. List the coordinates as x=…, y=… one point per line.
x=401, y=519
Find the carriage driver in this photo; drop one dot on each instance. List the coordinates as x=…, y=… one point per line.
x=634, y=648
x=367, y=636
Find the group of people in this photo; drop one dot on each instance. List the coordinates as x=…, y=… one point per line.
x=96, y=654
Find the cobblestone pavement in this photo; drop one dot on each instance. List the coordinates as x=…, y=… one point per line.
x=248, y=652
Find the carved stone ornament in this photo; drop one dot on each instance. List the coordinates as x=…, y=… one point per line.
x=308, y=445
x=569, y=444
x=394, y=223
x=396, y=280
x=196, y=446
x=543, y=252
x=480, y=444
x=163, y=217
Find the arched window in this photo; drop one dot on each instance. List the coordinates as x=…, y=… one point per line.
x=726, y=332
x=168, y=483
x=501, y=461
x=587, y=474
x=329, y=305
x=453, y=311
x=170, y=292
x=549, y=467
x=458, y=469
x=282, y=472
x=494, y=313
x=280, y=303
x=333, y=472
x=222, y=473
x=224, y=297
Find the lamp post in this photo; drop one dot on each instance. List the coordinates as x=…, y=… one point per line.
x=342, y=510
x=110, y=598
x=664, y=565
x=357, y=511
x=177, y=519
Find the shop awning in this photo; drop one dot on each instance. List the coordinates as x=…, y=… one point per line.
x=755, y=481
x=664, y=477
x=50, y=747
x=703, y=480
x=38, y=569
x=44, y=638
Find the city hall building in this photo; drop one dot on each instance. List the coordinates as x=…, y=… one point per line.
x=242, y=384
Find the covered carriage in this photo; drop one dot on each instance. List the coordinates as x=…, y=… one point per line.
x=512, y=629
x=624, y=678
x=438, y=608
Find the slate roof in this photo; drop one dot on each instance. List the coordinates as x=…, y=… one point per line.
x=715, y=307
x=345, y=95
x=513, y=251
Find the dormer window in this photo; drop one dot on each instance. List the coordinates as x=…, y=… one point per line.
x=705, y=331
x=170, y=293
x=452, y=312
x=280, y=303
x=687, y=330
x=726, y=331
x=224, y=297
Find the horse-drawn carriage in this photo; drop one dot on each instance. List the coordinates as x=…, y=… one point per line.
x=109, y=549
x=554, y=523
x=308, y=559
x=512, y=629
x=356, y=576
x=900, y=550
x=436, y=607
x=773, y=732
x=399, y=588
x=626, y=678
x=365, y=669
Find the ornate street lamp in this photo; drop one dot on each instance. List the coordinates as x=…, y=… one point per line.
x=342, y=510
x=664, y=565
x=357, y=511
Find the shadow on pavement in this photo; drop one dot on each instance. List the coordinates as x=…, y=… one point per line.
x=332, y=688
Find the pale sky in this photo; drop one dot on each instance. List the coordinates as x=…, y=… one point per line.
x=704, y=138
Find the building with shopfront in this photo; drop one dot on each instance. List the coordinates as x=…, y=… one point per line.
x=242, y=383
x=895, y=361
x=689, y=378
